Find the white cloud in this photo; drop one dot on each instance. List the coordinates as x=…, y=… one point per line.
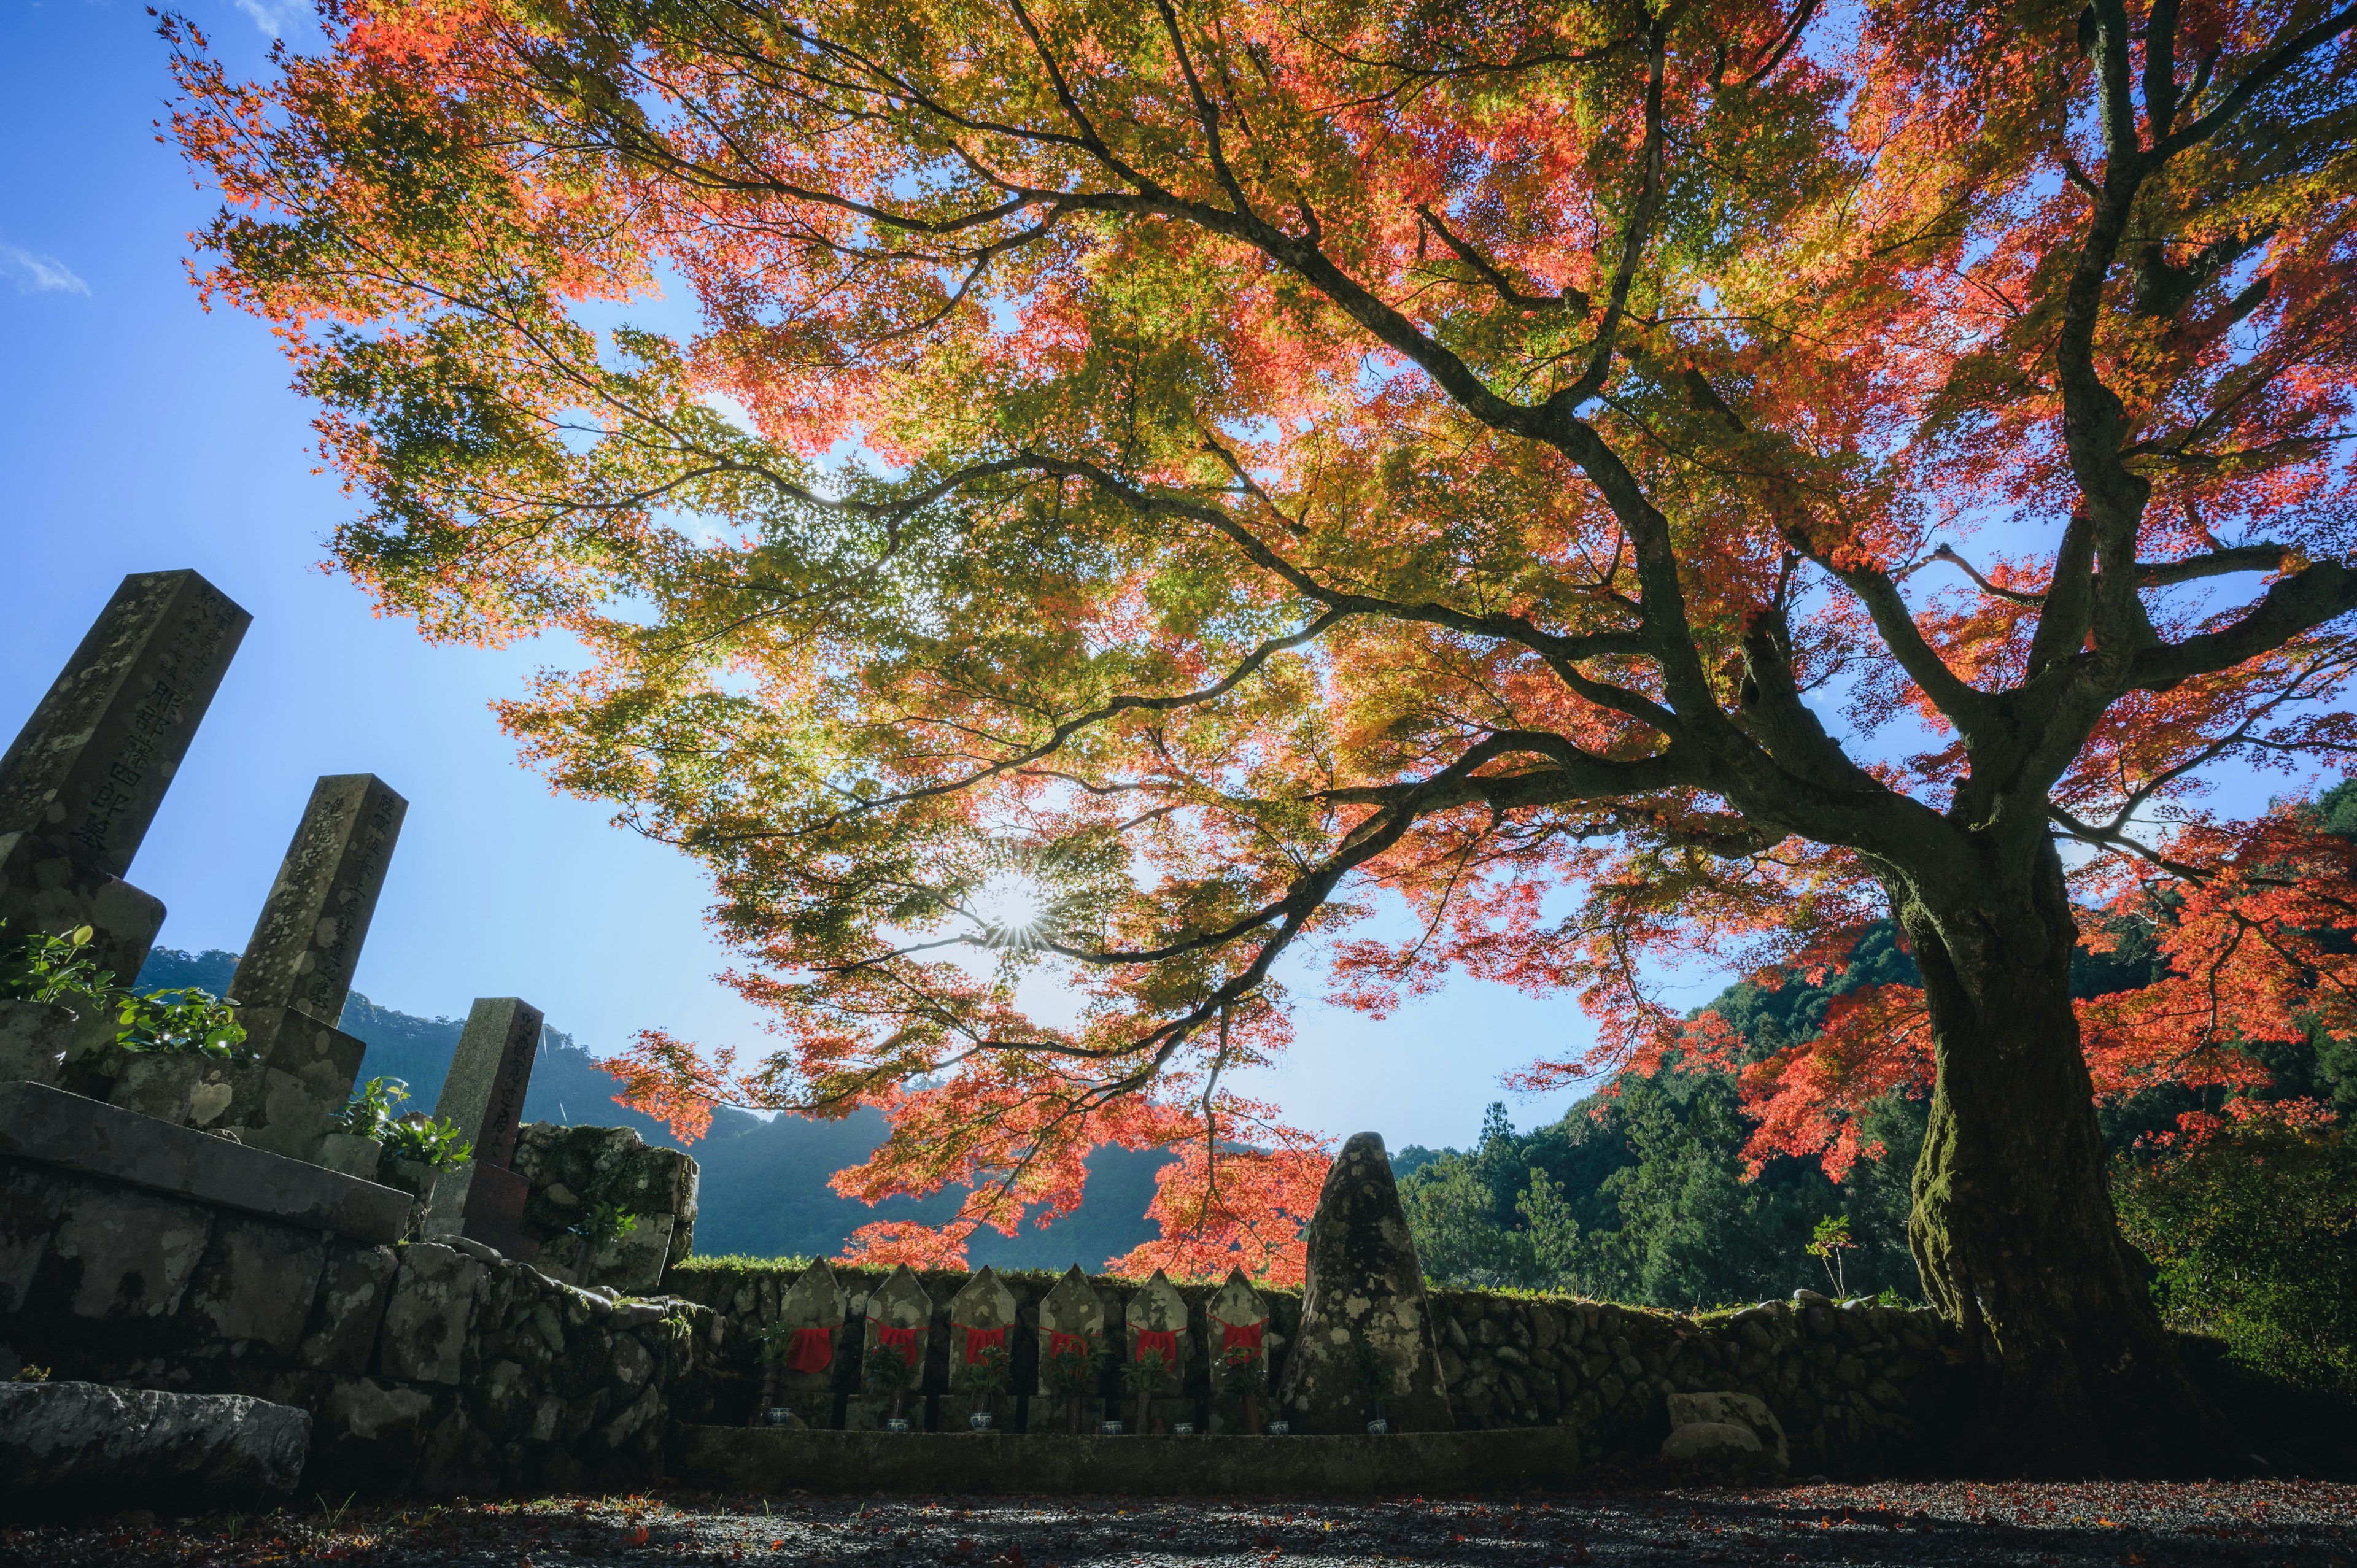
x=270, y=18
x=38, y=275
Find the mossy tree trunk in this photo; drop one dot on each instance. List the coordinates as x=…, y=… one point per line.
x=2013, y=1227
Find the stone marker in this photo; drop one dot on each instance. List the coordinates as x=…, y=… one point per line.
x=1072, y=1307
x=1364, y=1286
x=810, y=1316
x=1157, y=1310
x=483, y=1094
x=307, y=942
x=296, y=972
x=983, y=1315
x=896, y=1309
x=85, y=775
x=1235, y=1315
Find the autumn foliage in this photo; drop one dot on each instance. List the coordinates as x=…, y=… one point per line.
x=1118, y=495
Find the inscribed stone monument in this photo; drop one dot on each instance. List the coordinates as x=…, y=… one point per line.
x=983, y=1319
x=296, y=972
x=483, y=1096
x=86, y=774
x=1364, y=1287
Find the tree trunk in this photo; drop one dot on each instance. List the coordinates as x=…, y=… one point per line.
x=2013, y=1225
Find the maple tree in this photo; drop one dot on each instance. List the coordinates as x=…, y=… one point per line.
x=1130, y=491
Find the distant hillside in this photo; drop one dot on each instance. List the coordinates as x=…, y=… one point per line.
x=764, y=1187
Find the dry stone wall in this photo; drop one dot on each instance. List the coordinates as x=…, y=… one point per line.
x=180, y=1266
x=1857, y=1388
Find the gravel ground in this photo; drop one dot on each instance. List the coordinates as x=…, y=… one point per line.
x=2304, y=1522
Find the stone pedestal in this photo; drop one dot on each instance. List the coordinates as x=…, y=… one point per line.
x=288, y=1100
x=1365, y=1289
x=482, y=1203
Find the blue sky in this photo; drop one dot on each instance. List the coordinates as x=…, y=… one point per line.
x=138, y=433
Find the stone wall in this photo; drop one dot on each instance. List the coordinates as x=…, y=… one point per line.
x=149, y=1256
x=572, y=1170
x=1856, y=1388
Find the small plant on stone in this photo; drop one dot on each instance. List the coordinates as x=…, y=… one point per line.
x=1831, y=1240
x=427, y=1140
x=1145, y=1378
x=986, y=1375
x=889, y=1372
x=53, y=970
x=603, y=1220
x=184, y=1021
x=1070, y=1369
x=1247, y=1380
x=370, y=1111
x=773, y=1342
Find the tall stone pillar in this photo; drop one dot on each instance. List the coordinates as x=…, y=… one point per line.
x=1366, y=1328
x=483, y=1096
x=297, y=968
x=85, y=776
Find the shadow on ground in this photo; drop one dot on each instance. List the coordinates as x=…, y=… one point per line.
x=2131, y=1523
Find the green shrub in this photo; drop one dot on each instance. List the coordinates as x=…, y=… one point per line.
x=182, y=1021
x=2252, y=1232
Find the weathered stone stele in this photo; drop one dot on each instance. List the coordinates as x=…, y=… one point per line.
x=1072, y=1306
x=307, y=942
x=1238, y=1304
x=1363, y=1283
x=84, y=777
x=296, y=972
x=983, y=1302
x=483, y=1095
x=816, y=1300
x=901, y=1302
x=1158, y=1307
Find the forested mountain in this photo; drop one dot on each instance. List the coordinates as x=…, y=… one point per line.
x=764, y=1187
x=1638, y=1195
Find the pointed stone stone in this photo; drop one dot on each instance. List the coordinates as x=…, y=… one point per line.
x=1364, y=1287
x=816, y=1300
x=983, y=1302
x=1073, y=1307
x=1156, y=1308
x=1235, y=1305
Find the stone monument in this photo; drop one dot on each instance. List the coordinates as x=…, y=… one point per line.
x=1363, y=1308
x=899, y=1321
x=1235, y=1323
x=86, y=774
x=483, y=1095
x=810, y=1319
x=1071, y=1314
x=1155, y=1322
x=983, y=1319
x=296, y=972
